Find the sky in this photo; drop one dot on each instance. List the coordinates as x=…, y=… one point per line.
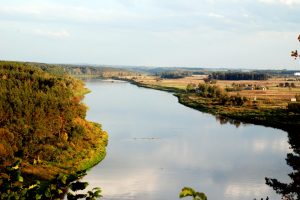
x=191, y=33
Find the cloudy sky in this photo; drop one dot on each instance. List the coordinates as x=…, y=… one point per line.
x=204, y=33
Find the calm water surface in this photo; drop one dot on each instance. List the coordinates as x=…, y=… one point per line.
x=157, y=146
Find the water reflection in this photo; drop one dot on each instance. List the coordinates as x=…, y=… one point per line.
x=290, y=190
x=224, y=120
x=189, y=149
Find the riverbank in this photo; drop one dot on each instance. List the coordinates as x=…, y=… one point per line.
x=270, y=116
x=43, y=122
x=276, y=118
x=78, y=156
x=151, y=130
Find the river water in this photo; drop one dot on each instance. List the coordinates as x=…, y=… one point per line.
x=157, y=146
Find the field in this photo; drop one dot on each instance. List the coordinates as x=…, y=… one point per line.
x=269, y=93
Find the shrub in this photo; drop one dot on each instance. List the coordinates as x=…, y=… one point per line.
x=294, y=107
x=191, y=87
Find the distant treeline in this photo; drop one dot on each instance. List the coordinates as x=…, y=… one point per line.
x=283, y=72
x=100, y=71
x=238, y=76
x=174, y=74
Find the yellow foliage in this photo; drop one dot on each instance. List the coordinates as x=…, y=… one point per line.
x=64, y=136
x=3, y=152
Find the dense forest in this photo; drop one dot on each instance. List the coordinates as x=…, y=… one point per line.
x=174, y=74
x=42, y=121
x=99, y=71
x=238, y=76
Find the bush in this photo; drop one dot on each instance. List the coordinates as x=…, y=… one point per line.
x=294, y=107
x=297, y=97
x=191, y=87
x=211, y=91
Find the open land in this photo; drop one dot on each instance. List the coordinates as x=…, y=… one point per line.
x=266, y=105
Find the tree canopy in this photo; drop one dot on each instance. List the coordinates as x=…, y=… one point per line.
x=42, y=119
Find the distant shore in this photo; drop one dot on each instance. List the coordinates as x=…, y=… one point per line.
x=276, y=118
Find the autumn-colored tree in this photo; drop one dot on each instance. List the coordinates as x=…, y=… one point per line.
x=42, y=120
x=295, y=53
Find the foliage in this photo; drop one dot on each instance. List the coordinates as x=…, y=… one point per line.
x=42, y=120
x=190, y=192
x=208, y=80
x=99, y=71
x=297, y=97
x=238, y=76
x=295, y=53
x=191, y=87
x=174, y=74
x=211, y=91
x=294, y=107
x=216, y=93
x=13, y=186
x=287, y=84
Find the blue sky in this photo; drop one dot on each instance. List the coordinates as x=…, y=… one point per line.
x=204, y=33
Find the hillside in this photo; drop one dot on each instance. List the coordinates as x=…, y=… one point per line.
x=42, y=121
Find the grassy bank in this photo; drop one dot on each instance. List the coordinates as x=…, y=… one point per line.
x=276, y=117
x=152, y=86
x=268, y=114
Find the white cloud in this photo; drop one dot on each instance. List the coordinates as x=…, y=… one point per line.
x=285, y=2
x=278, y=145
x=23, y=10
x=215, y=15
x=290, y=2
x=246, y=190
x=64, y=12
x=61, y=34
x=125, y=182
x=181, y=29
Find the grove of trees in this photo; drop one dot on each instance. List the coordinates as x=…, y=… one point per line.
x=238, y=76
x=42, y=120
x=216, y=93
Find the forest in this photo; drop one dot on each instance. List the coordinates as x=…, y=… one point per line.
x=97, y=71
x=174, y=74
x=42, y=121
x=238, y=76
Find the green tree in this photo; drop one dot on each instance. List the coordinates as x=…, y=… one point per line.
x=190, y=192
x=191, y=87
x=14, y=187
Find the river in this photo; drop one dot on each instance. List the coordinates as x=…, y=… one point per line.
x=157, y=146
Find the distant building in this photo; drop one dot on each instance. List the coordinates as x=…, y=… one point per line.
x=263, y=88
x=293, y=99
x=297, y=73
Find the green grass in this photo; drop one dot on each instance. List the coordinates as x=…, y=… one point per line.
x=277, y=117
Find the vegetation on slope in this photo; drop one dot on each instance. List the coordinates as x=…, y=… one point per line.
x=42, y=121
x=85, y=71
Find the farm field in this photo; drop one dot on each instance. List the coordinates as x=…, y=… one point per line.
x=269, y=94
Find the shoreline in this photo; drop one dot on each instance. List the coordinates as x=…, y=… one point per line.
x=274, y=118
